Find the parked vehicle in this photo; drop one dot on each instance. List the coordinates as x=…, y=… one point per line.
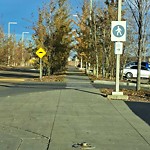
x=134, y=63
x=132, y=72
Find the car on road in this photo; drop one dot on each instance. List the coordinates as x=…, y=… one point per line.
x=131, y=72
x=134, y=63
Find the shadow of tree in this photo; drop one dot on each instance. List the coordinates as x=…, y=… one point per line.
x=141, y=109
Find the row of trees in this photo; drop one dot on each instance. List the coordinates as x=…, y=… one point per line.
x=11, y=50
x=93, y=34
x=94, y=37
x=53, y=32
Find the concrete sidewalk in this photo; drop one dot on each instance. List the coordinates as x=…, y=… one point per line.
x=58, y=119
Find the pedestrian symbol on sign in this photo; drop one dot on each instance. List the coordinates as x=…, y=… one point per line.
x=118, y=31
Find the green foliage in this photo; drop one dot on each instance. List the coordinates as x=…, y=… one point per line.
x=53, y=33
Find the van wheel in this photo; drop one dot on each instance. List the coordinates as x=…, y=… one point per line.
x=129, y=75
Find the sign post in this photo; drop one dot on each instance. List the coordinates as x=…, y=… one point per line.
x=41, y=69
x=40, y=53
x=118, y=34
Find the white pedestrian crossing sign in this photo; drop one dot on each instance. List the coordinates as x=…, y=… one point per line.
x=118, y=31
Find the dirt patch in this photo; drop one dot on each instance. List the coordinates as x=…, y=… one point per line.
x=52, y=78
x=4, y=68
x=57, y=77
x=137, y=96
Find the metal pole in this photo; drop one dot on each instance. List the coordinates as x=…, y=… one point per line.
x=118, y=55
x=119, y=9
x=9, y=23
x=8, y=29
x=81, y=63
x=8, y=59
x=41, y=69
x=23, y=47
x=91, y=8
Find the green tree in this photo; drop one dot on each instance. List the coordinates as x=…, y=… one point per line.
x=53, y=33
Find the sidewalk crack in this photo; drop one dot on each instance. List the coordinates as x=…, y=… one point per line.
x=51, y=132
x=21, y=141
x=26, y=130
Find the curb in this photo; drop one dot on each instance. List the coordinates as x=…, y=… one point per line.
x=12, y=80
x=121, y=83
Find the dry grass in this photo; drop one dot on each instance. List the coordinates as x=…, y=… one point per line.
x=52, y=78
x=137, y=96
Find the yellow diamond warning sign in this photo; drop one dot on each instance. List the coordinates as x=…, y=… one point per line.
x=40, y=52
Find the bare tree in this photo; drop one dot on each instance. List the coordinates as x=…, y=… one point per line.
x=140, y=10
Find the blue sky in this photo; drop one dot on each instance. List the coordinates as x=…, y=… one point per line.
x=21, y=11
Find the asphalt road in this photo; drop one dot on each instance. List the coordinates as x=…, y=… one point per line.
x=9, y=89
x=58, y=116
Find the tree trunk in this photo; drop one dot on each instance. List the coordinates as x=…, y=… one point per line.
x=140, y=21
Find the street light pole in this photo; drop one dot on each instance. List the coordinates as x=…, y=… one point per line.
x=23, y=35
x=23, y=47
x=9, y=23
x=91, y=9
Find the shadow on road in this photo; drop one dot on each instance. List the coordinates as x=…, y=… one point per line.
x=77, y=78
x=26, y=70
x=22, y=88
x=87, y=91
x=19, y=73
x=141, y=109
